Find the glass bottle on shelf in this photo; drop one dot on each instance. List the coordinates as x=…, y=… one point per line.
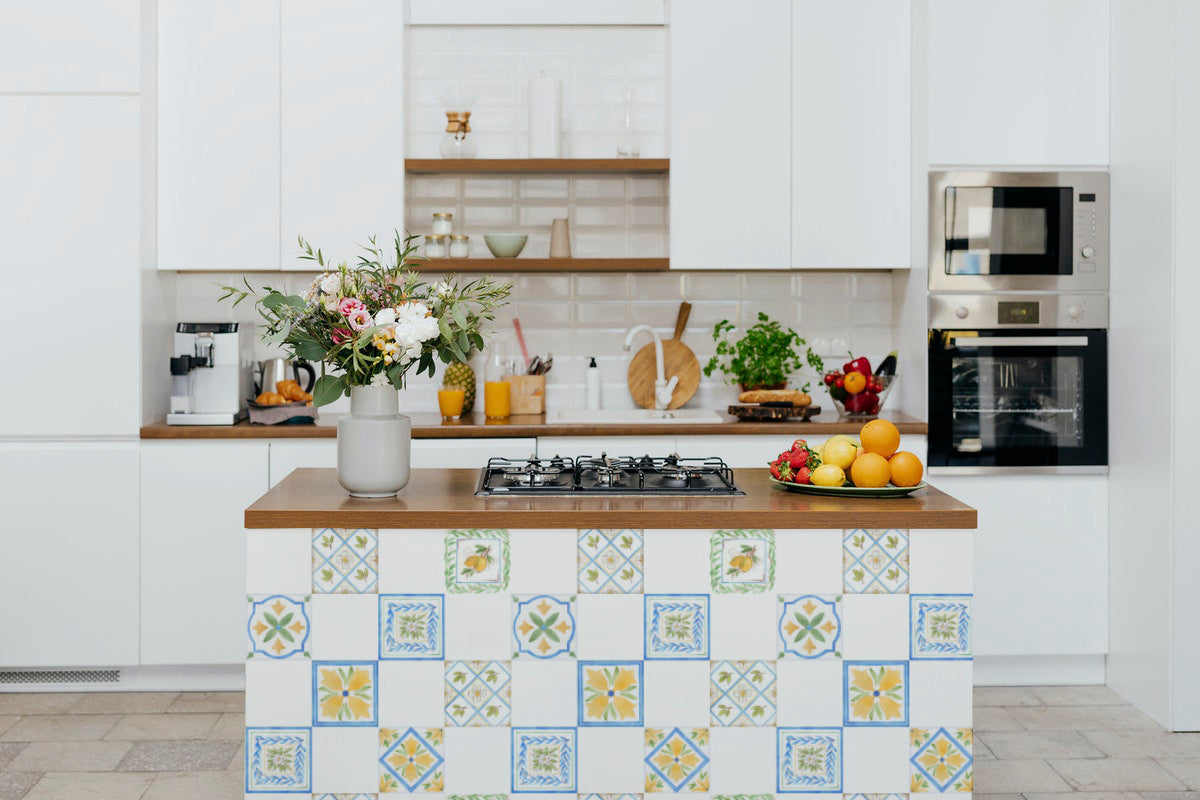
x=627, y=133
x=456, y=141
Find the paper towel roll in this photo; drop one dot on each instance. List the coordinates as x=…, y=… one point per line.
x=545, y=117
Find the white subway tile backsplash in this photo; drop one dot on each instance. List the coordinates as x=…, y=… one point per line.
x=590, y=188
x=600, y=216
x=499, y=218
x=554, y=188
x=542, y=214
x=488, y=188
x=602, y=315
x=657, y=286
x=602, y=286
x=535, y=316
x=711, y=285
x=543, y=287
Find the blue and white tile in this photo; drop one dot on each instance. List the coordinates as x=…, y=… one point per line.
x=610, y=561
x=742, y=694
x=875, y=561
x=345, y=693
x=278, y=626
x=345, y=561
x=877, y=693
x=940, y=626
x=412, y=626
x=411, y=760
x=478, y=694
x=677, y=626
x=942, y=760
x=544, y=760
x=544, y=626
x=610, y=693
x=809, y=760
x=809, y=626
x=278, y=760
x=677, y=760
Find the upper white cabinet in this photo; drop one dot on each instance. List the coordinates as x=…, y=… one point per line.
x=218, y=134
x=537, y=12
x=1020, y=82
x=70, y=564
x=343, y=125
x=70, y=46
x=851, y=123
x=70, y=211
x=730, y=135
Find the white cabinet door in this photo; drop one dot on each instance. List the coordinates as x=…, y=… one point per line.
x=730, y=135
x=193, y=572
x=69, y=569
x=70, y=46
x=1023, y=82
x=851, y=125
x=1041, y=562
x=218, y=134
x=538, y=12
x=343, y=125
x=292, y=454
x=71, y=222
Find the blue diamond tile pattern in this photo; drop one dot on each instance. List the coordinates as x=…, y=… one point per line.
x=478, y=694
x=875, y=561
x=345, y=561
x=610, y=561
x=942, y=760
x=742, y=694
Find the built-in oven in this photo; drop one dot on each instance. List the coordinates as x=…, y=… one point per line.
x=1018, y=383
x=1018, y=231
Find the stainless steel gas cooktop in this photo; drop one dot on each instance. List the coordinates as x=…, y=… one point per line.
x=604, y=474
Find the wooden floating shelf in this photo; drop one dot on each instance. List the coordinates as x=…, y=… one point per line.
x=443, y=166
x=544, y=265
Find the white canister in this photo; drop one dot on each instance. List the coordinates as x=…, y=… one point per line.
x=443, y=223
x=460, y=245
x=435, y=246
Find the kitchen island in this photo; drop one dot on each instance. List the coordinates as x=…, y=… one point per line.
x=767, y=643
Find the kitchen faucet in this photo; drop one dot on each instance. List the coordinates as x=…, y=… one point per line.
x=663, y=389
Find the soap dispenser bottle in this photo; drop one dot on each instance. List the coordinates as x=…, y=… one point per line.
x=592, y=382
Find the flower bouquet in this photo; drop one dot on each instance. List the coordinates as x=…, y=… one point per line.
x=370, y=325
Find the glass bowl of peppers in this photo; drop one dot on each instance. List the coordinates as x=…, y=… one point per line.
x=859, y=391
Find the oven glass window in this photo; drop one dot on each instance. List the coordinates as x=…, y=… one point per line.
x=1002, y=402
x=1008, y=230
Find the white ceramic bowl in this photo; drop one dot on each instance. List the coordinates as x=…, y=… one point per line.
x=506, y=245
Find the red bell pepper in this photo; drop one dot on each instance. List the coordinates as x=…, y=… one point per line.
x=860, y=364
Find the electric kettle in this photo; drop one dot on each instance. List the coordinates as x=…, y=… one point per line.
x=274, y=370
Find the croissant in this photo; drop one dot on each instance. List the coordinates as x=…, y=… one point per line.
x=270, y=399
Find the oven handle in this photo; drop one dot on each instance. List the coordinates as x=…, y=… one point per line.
x=1019, y=341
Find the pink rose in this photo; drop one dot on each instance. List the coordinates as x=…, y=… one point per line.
x=347, y=305
x=359, y=319
x=341, y=335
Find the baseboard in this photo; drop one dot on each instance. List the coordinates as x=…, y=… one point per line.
x=1039, y=670
x=222, y=678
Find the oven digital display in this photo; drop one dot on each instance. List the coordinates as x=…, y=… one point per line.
x=1018, y=313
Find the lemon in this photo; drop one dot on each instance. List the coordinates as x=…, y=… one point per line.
x=828, y=475
x=840, y=452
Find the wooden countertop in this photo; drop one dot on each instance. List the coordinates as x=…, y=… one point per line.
x=444, y=498
x=428, y=425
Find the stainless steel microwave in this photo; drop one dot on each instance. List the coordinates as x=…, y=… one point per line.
x=1018, y=231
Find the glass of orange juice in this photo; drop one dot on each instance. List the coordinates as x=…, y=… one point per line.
x=497, y=399
x=450, y=401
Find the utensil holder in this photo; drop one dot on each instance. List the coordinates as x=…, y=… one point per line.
x=528, y=393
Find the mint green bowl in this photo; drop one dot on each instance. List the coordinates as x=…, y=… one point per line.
x=506, y=245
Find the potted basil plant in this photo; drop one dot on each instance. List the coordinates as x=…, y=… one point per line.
x=764, y=356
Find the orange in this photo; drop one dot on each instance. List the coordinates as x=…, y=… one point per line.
x=906, y=469
x=854, y=382
x=880, y=436
x=870, y=470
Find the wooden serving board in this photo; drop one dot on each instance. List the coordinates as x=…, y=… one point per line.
x=678, y=359
x=760, y=413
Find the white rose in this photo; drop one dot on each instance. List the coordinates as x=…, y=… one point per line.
x=330, y=302
x=331, y=283
x=385, y=316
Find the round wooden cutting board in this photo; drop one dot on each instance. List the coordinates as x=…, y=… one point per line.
x=678, y=359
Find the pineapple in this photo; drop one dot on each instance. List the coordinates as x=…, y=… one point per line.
x=461, y=373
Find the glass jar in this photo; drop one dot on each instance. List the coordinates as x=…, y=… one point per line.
x=456, y=142
x=443, y=222
x=435, y=246
x=460, y=245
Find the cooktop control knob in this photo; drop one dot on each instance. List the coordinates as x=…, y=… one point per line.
x=961, y=312
x=1087, y=251
x=1075, y=311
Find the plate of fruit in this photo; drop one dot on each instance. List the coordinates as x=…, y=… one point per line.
x=856, y=390
x=870, y=466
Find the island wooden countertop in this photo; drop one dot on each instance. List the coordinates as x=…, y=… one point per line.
x=445, y=498
x=428, y=425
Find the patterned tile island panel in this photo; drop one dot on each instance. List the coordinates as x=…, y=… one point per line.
x=608, y=664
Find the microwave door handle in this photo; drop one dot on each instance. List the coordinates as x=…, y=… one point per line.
x=1019, y=341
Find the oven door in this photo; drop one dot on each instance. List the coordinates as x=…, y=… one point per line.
x=1021, y=400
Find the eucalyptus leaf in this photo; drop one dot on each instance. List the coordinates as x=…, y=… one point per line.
x=327, y=389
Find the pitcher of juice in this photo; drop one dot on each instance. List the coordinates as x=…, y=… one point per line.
x=497, y=392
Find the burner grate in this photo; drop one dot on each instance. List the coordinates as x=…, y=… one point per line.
x=605, y=474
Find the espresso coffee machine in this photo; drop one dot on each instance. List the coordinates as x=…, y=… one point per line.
x=211, y=373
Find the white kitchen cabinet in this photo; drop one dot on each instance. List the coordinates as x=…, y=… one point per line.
x=1041, y=562
x=218, y=134
x=70, y=46
x=69, y=569
x=730, y=127
x=70, y=205
x=1018, y=83
x=342, y=129
x=292, y=454
x=851, y=121
x=537, y=12
x=193, y=570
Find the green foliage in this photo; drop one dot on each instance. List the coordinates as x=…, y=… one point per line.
x=765, y=355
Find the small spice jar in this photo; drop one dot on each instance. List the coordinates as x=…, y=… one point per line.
x=435, y=246
x=443, y=222
x=460, y=245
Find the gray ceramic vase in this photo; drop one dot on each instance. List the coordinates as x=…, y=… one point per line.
x=374, y=443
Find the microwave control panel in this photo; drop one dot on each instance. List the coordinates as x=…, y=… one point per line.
x=1085, y=231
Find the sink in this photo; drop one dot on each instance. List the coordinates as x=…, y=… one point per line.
x=632, y=416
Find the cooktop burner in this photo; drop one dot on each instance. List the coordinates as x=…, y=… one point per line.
x=605, y=474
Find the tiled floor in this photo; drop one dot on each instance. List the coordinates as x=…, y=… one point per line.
x=1035, y=742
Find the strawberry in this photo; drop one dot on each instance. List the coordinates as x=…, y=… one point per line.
x=799, y=444
x=802, y=475
x=798, y=459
